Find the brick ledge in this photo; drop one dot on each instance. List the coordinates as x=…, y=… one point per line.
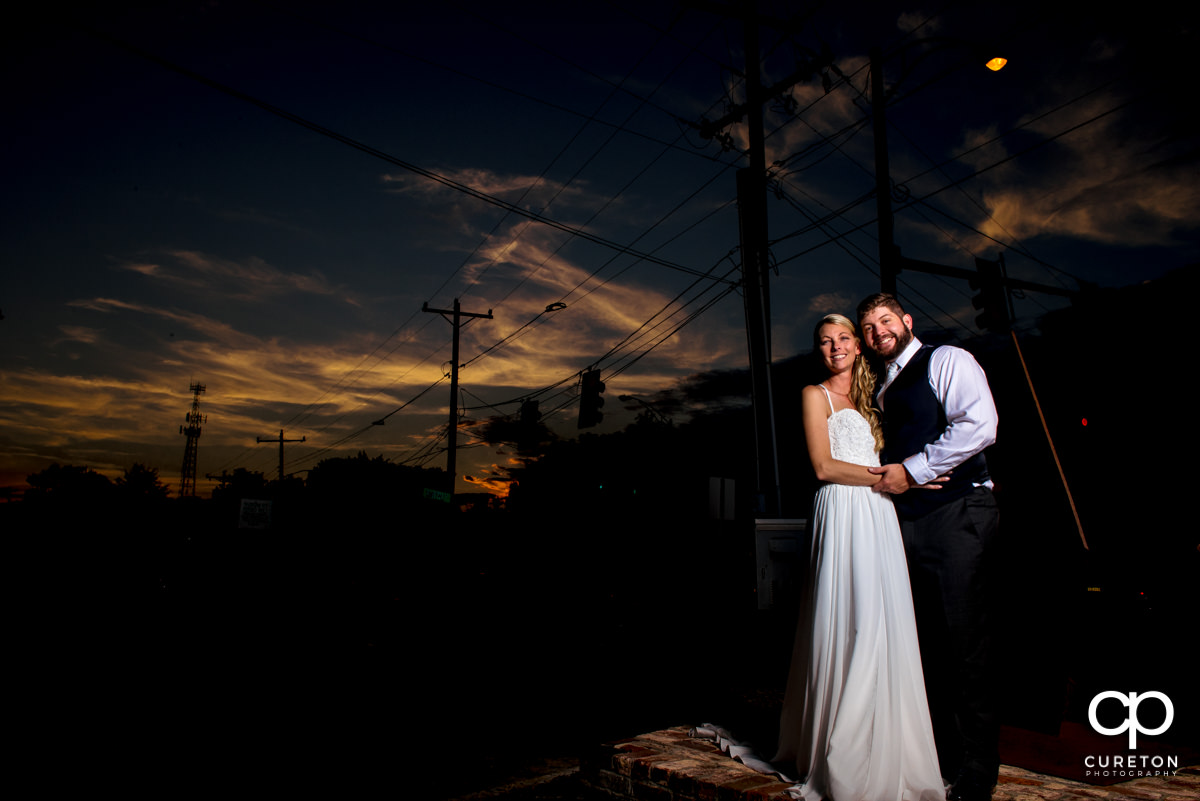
x=668, y=765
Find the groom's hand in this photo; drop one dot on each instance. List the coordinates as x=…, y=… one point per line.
x=895, y=479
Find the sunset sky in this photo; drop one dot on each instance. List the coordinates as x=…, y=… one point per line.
x=260, y=198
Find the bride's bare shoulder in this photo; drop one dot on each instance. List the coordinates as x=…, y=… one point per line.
x=814, y=394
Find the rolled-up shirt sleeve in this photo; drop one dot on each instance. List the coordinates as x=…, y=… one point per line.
x=961, y=387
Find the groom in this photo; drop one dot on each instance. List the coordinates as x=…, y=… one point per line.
x=938, y=416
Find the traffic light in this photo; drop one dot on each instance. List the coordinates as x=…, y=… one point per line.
x=528, y=431
x=991, y=299
x=590, y=391
x=530, y=415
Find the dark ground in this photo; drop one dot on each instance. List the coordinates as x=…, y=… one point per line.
x=460, y=661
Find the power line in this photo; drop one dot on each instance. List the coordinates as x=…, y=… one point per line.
x=429, y=174
x=977, y=172
x=426, y=454
x=406, y=165
x=520, y=201
x=492, y=84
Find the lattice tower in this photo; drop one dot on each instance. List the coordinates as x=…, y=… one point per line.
x=192, y=429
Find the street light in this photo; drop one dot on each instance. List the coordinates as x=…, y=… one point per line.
x=654, y=413
x=889, y=254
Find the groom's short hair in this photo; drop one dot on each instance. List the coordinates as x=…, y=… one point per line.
x=872, y=302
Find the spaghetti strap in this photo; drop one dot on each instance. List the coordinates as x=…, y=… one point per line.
x=828, y=399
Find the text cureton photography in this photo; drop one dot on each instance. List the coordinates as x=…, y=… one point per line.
x=1130, y=765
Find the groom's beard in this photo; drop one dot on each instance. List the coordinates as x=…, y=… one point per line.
x=898, y=344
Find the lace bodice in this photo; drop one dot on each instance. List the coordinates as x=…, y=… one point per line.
x=850, y=438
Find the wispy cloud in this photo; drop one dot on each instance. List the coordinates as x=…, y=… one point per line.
x=251, y=279
x=135, y=397
x=923, y=21
x=820, y=115
x=209, y=327
x=132, y=389
x=1111, y=186
x=537, y=192
x=1113, y=174
x=78, y=333
x=598, y=316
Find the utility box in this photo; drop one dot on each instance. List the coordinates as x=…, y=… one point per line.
x=781, y=558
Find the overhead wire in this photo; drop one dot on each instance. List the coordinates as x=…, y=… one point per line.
x=485, y=81
x=1012, y=243
x=640, y=257
x=619, y=86
x=588, y=120
x=612, y=198
x=864, y=197
x=520, y=201
x=429, y=174
x=960, y=181
x=539, y=316
x=622, y=344
x=527, y=325
x=379, y=154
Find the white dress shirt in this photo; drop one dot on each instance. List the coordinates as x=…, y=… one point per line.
x=961, y=387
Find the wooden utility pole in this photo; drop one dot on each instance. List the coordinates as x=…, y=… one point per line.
x=455, y=319
x=752, y=223
x=889, y=254
x=892, y=261
x=281, y=440
x=752, y=220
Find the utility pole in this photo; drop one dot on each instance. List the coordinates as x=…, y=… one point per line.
x=889, y=254
x=187, y=476
x=891, y=262
x=752, y=224
x=281, y=440
x=455, y=319
x=990, y=277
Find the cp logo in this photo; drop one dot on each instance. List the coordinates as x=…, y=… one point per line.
x=1131, y=723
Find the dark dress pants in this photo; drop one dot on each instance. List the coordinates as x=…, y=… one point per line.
x=950, y=554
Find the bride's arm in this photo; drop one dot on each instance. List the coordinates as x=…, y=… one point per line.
x=815, y=408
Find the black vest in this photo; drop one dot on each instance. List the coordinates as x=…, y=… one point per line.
x=914, y=419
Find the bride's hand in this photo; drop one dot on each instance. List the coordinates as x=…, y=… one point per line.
x=936, y=483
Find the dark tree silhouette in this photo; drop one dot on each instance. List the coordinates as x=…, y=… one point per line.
x=241, y=483
x=377, y=485
x=142, y=483
x=75, y=484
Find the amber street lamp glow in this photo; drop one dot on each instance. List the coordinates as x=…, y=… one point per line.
x=997, y=64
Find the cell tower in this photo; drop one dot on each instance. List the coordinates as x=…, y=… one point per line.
x=192, y=429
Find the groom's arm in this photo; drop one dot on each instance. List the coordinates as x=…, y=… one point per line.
x=896, y=479
x=961, y=387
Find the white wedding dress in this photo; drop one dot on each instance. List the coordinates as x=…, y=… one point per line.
x=855, y=721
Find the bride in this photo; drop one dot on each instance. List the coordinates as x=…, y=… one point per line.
x=855, y=721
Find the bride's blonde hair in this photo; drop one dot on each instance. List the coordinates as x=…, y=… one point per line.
x=862, y=379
